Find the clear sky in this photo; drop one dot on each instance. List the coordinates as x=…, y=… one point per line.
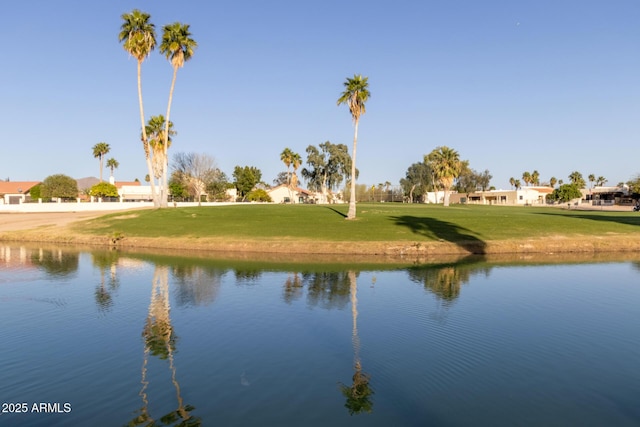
x=513, y=86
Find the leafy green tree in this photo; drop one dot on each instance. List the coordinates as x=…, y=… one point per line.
x=138, y=37
x=36, y=192
x=565, y=193
x=417, y=182
x=446, y=165
x=112, y=164
x=246, y=179
x=178, y=47
x=104, y=189
x=259, y=195
x=467, y=181
x=355, y=96
x=328, y=166
x=99, y=151
x=218, y=185
x=177, y=190
x=59, y=186
x=483, y=179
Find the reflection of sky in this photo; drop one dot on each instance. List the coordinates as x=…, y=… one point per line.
x=539, y=341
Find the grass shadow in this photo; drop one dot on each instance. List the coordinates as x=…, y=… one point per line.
x=442, y=230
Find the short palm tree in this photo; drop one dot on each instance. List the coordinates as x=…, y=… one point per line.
x=355, y=96
x=446, y=165
x=138, y=37
x=112, y=164
x=155, y=130
x=99, y=151
x=178, y=47
x=553, y=181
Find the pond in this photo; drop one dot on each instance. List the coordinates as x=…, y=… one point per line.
x=108, y=338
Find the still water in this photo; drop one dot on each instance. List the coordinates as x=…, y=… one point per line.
x=104, y=338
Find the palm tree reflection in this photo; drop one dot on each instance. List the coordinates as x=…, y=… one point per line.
x=358, y=395
x=105, y=261
x=160, y=340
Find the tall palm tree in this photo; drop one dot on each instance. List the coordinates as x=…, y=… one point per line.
x=601, y=181
x=178, y=47
x=99, y=151
x=526, y=177
x=553, y=181
x=138, y=36
x=355, y=96
x=286, y=157
x=112, y=164
x=446, y=165
x=512, y=181
x=296, y=161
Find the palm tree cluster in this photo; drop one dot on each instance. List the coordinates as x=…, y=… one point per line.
x=138, y=37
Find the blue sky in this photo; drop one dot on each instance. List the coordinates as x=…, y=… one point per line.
x=513, y=86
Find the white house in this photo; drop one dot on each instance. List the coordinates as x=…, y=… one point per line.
x=285, y=194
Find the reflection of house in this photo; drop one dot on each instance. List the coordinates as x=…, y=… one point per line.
x=523, y=196
x=284, y=194
x=15, y=192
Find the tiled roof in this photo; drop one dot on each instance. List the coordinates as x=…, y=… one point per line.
x=16, y=187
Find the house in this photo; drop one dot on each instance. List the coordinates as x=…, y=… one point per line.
x=525, y=196
x=16, y=192
x=609, y=196
x=285, y=194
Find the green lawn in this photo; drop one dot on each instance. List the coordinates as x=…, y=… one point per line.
x=375, y=222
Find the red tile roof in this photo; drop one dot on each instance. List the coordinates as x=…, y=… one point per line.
x=16, y=187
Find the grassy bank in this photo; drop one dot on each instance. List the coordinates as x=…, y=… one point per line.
x=379, y=228
x=390, y=229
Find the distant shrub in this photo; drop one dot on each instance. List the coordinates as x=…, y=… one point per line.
x=104, y=189
x=259, y=195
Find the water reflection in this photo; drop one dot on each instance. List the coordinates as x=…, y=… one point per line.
x=56, y=262
x=195, y=285
x=358, y=394
x=327, y=289
x=105, y=262
x=445, y=280
x=160, y=341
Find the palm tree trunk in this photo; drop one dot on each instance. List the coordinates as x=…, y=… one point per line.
x=100, y=161
x=164, y=190
x=145, y=142
x=352, y=199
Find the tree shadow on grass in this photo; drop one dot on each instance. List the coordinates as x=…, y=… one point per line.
x=343, y=215
x=599, y=216
x=435, y=229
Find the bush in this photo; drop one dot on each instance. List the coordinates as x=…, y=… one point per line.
x=259, y=195
x=104, y=189
x=36, y=192
x=59, y=185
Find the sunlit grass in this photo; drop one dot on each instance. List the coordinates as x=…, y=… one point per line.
x=375, y=222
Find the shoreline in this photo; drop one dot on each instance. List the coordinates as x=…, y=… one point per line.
x=56, y=228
